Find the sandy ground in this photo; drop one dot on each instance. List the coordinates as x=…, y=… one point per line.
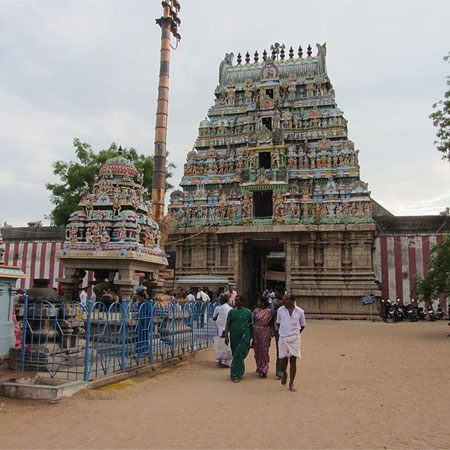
x=360, y=385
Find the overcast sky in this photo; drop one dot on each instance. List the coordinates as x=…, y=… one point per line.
x=89, y=69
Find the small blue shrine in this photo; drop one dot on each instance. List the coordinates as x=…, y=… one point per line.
x=8, y=277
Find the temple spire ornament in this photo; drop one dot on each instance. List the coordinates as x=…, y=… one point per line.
x=277, y=50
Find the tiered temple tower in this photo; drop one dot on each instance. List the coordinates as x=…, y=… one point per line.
x=113, y=233
x=271, y=191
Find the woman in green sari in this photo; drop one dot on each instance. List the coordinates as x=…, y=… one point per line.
x=240, y=327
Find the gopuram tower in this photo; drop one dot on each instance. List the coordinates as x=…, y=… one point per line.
x=272, y=191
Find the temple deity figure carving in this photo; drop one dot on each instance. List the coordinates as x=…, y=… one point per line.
x=122, y=233
x=294, y=210
x=104, y=236
x=116, y=206
x=262, y=176
x=95, y=234
x=276, y=159
x=292, y=162
x=246, y=205
x=251, y=160
x=230, y=96
x=279, y=209
x=73, y=233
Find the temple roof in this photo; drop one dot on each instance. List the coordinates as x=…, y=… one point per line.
x=273, y=149
x=119, y=165
x=287, y=65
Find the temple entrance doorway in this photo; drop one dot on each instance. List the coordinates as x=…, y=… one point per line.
x=264, y=267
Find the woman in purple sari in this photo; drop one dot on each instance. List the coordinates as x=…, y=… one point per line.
x=262, y=335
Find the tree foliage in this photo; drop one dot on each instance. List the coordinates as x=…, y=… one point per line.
x=438, y=279
x=441, y=120
x=77, y=177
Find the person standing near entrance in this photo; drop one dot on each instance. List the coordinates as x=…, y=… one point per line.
x=202, y=296
x=291, y=322
x=231, y=295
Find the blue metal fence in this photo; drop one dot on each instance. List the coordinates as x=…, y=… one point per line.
x=78, y=341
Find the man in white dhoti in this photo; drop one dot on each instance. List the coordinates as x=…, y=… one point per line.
x=291, y=322
x=220, y=316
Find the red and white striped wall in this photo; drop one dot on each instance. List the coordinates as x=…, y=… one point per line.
x=38, y=260
x=398, y=259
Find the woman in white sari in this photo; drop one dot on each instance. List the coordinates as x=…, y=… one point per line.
x=220, y=316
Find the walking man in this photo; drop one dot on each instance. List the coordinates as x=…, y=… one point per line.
x=277, y=302
x=291, y=322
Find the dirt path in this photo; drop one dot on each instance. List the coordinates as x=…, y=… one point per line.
x=361, y=385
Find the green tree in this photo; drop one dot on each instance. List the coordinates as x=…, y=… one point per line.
x=441, y=120
x=76, y=178
x=438, y=279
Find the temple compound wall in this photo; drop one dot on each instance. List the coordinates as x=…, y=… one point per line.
x=34, y=249
x=401, y=251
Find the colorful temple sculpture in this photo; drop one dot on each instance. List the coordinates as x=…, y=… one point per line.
x=271, y=191
x=113, y=234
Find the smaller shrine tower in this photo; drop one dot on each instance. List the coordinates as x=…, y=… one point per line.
x=113, y=234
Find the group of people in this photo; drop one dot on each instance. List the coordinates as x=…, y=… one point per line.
x=203, y=295
x=238, y=327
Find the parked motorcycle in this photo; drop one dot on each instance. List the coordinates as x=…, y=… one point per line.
x=440, y=312
x=431, y=314
x=394, y=311
x=410, y=312
x=384, y=308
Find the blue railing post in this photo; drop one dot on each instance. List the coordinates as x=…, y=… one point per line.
x=207, y=323
x=193, y=320
x=152, y=314
x=24, y=332
x=174, y=309
x=88, y=342
x=123, y=334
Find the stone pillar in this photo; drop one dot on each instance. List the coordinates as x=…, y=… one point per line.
x=126, y=282
x=289, y=262
x=69, y=284
x=239, y=266
x=332, y=251
x=295, y=254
